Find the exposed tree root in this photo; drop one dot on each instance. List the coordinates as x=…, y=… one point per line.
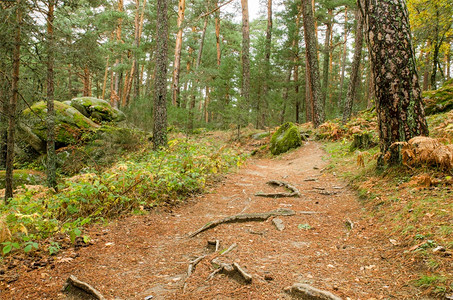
x=305, y=291
x=233, y=270
x=87, y=290
x=244, y=218
x=294, y=191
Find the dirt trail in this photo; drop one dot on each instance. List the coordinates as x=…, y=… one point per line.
x=143, y=256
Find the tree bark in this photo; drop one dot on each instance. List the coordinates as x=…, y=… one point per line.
x=267, y=64
x=353, y=83
x=285, y=96
x=217, y=33
x=399, y=105
x=343, y=59
x=312, y=61
x=12, y=105
x=426, y=69
x=245, y=91
x=326, y=58
x=4, y=88
x=160, y=95
x=50, y=121
x=86, y=82
x=178, y=47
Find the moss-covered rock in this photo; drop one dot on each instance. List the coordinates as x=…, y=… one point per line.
x=70, y=124
x=285, y=138
x=260, y=135
x=97, y=109
x=21, y=177
x=440, y=100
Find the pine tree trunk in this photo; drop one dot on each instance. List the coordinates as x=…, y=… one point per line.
x=50, y=121
x=353, y=82
x=399, y=105
x=217, y=33
x=12, y=105
x=106, y=73
x=426, y=69
x=267, y=64
x=245, y=91
x=86, y=82
x=178, y=47
x=285, y=96
x=325, y=68
x=343, y=59
x=4, y=92
x=312, y=62
x=160, y=95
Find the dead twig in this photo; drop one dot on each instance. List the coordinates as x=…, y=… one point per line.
x=244, y=218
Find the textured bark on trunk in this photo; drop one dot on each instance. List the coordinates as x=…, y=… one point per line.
x=106, y=73
x=50, y=120
x=295, y=47
x=354, y=80
x=12, y=105
x=4, y=88
x=343, y=59
x=267, y=64
x=326, y=58
x=160, y=95
x=245, y=91
x=217, y=33
x=178, y=47
x=86, y=82
x=312, y=61
x=399, y=105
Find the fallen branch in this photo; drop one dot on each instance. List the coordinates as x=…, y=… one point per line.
x=326, y=193
x=85, y=287
x=230, y=270
x=294, y=191
x=244, y=218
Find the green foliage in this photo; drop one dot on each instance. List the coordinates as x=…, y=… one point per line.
x=141, y=181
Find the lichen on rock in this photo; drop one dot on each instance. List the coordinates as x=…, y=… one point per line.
x=285, y=138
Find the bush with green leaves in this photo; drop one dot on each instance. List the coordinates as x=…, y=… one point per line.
x=141, y=180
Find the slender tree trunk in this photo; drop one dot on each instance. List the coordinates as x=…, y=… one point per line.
x=295, y=47
x=178, y=47
x=245, y=91
x=160, y=96
x=343, y=60
x=267, y=64
x=448, y=63
x=426, y=68
x=106, y=73
x=197, y=66
x=285, y=96
x=217, y=33
x=51, y=155
x=326, y=57
x=355, y=67
x=312, y=61
x=399, y=105
x=12, y=105
x=86, y=82
x=4, y=88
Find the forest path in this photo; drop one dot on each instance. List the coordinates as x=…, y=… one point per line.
x=141, y=256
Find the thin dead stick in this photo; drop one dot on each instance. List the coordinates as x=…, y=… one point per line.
x=244, y=218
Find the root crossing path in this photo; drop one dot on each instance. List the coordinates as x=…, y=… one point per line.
x=330, y=243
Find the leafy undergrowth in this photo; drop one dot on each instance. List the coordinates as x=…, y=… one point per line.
x=413, y=208
x=38, y=217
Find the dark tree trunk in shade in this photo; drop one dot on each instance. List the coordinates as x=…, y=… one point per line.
x=354, y=80
x=326, y=58
x=50, y=121
x=344, y=58
x=312, y=61
x=267, y=66
x=12, y=105
x=160, y=94
x=4, y=102
x=399, y=105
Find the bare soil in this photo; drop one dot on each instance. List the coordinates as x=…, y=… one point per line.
x=338, y=248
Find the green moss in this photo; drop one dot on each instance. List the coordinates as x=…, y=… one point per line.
x=69, y=122
x=97, y=109
x=286, y=137
x=21, y=177
x=439, y=101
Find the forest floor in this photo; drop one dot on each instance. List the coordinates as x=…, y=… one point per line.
x=331, y=243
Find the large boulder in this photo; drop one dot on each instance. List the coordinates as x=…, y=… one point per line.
x=20, y=177
x=70, y=125
x=97, y=109
x=285, y=138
